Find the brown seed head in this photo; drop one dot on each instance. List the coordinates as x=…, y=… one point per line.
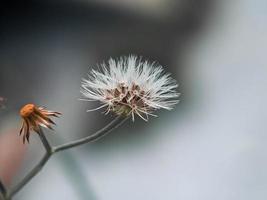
x=126, y=100
x=34, y=117
x=27, y=110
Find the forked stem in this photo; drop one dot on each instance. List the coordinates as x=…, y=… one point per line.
x=37, y=168
x=52, y=150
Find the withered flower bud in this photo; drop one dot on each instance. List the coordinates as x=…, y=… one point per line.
x=34, y=117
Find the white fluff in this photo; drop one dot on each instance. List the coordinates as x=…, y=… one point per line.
x=147, y=87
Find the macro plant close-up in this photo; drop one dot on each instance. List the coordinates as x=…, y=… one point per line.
x=133, y=100
x=127, y=87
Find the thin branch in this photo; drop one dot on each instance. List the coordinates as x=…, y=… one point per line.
x=31, y=174
x=50, y=151
x=45, y=142
x=3, y=189
x=91, y=138
x=37, y=168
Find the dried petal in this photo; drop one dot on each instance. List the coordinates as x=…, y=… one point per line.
x=34, y=117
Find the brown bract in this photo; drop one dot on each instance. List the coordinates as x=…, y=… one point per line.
x=34, y=117
x=128, y=100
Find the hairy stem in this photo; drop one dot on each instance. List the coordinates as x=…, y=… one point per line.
x=52, y=150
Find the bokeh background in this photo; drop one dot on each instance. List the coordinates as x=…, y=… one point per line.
x=211, y=146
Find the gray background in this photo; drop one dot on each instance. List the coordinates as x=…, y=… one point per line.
x=211, y=146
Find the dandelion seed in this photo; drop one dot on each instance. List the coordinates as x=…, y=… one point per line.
x=130, y=86
x=34, y=117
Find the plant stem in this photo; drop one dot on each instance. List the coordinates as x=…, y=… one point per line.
x=45, y=142
x=3, y=189
x=91, y=138
x=37, y=168
x=52, y=150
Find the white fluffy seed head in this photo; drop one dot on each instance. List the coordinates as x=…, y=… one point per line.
x=130, y=86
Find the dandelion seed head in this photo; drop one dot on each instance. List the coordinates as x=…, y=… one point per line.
x=130, y=86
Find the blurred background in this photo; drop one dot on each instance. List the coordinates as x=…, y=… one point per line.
x=211, y=146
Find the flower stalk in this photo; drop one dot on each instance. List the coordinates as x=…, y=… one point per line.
x=37, y=168
x=119, y=120
x=3, y=189
x=96, y=136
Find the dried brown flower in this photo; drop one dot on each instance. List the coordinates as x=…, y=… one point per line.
x=34, y=117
